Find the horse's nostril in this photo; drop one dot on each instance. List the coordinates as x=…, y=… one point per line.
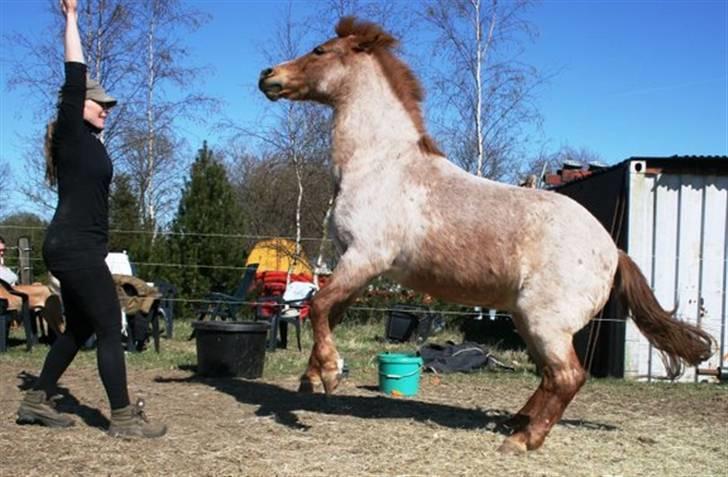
x=266, y=72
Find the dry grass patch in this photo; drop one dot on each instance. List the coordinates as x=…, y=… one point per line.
x=263, y=427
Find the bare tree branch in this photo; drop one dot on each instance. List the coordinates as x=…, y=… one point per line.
x=484, y=92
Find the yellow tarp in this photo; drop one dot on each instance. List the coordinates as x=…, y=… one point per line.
x=277, y=255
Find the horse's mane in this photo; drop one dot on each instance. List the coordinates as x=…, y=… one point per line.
x=372, y=38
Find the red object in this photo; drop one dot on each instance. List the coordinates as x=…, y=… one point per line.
x=272, y=283
x=566, y=175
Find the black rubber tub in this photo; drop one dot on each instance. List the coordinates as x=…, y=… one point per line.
x=230, y=348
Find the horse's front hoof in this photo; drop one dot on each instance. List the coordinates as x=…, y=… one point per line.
x=331, y=380
x=512, y=446
x=308, y=385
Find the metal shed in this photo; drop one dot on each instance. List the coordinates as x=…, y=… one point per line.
x=671, y=215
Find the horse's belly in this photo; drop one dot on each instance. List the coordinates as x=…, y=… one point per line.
x=486, y=291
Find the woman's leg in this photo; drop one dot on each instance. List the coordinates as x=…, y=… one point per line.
x=65, y=348
x=91, y=305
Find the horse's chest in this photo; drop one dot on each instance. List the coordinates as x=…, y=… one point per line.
x=369, y=214
x=351, y=220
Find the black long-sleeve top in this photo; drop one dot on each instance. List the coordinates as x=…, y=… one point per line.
x=78, y=234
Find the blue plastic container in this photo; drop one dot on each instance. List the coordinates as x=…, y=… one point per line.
x=399, y=373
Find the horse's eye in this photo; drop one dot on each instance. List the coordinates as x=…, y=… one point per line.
x=318, y=51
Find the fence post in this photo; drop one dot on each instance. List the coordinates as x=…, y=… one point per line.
x=25, y=266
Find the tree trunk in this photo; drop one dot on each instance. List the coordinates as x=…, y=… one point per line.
x=324, y=238
x=148, y=201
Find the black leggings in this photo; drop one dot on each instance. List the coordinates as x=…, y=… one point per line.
x=90, y=305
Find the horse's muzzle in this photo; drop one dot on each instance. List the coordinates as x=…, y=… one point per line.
x=270, y=87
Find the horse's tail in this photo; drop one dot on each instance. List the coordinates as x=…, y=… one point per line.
x=676, y=339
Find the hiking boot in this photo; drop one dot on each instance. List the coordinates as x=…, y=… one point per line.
x=36, y=408
x=130, y=421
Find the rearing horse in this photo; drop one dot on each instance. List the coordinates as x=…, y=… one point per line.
x=404, y=211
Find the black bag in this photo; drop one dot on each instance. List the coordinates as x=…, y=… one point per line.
x=451, y=358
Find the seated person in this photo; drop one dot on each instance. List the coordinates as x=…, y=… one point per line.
x=6, y=274
x=38, y=294
x=14, y=301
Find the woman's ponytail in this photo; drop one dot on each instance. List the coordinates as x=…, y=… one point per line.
x=50, y=163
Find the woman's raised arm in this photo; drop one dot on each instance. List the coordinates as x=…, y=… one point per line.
x=72, y=39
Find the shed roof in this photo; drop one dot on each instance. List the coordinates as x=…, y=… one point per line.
x=696, y=164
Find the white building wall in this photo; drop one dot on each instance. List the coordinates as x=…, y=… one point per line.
x=713, y=285
x=639, y=247
x=677, y=235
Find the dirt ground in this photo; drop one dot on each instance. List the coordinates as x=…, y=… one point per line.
x=264, y=428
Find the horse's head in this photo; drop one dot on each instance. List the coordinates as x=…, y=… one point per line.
x=321, y=74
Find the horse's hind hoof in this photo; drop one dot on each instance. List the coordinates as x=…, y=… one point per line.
x=511, y=446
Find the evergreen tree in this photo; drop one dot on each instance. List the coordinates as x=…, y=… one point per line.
x=124, y=220
x=207, y=209
x=128, y=232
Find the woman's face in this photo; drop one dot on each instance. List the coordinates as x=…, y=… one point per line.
x=94, y=113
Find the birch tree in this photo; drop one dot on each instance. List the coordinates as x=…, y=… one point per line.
x=484, y=92
x=38, y=72
x=150, y=144
x=139, y=134
x=298, y=134
x=266, y=187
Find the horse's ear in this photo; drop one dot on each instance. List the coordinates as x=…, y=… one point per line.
x=370, y=43
x=365, y=46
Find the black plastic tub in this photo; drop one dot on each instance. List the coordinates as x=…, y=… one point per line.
x=230, y=348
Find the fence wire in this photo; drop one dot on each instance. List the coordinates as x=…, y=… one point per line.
x=201, y=300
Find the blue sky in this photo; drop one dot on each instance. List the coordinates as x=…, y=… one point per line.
x=632, y=78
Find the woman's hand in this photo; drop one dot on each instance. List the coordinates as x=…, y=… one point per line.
x=69, y=6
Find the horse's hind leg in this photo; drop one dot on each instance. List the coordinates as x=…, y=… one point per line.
x=351, y=275
x=521, y=419
x=562, y=378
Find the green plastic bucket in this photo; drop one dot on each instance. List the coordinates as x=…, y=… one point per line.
x=399, y=373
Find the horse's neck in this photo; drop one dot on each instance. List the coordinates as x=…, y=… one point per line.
x=370, y=122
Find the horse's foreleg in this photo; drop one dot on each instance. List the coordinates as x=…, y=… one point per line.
x=327, y=308
x=311, y=379
x=562, y=378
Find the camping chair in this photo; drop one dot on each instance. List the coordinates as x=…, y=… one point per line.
x=291, y=307
x=24, y=314
x=223, y=306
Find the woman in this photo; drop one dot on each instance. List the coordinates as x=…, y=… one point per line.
x=76, y=245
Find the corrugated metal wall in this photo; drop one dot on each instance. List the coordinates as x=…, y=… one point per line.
x=677, y=224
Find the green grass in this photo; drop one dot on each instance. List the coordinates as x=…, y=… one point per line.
x=357, y=343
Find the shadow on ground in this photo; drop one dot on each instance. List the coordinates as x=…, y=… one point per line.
x=281, y=404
